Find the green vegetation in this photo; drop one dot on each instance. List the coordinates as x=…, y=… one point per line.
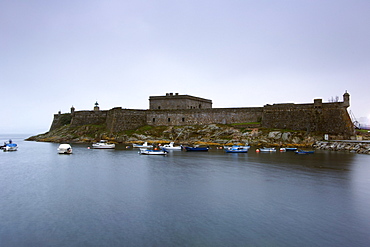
x=65, y=119
x=362, y=131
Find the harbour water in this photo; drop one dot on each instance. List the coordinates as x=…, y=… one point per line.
x=120, y=198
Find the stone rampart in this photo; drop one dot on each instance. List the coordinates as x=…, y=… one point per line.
x=119, y=119
x=88, y=117
x=204, y=116
x=331, y=118
x=60, y=120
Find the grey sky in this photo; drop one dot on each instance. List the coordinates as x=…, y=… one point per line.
x=55, y=54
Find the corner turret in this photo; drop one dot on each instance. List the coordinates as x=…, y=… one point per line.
x=346, y=99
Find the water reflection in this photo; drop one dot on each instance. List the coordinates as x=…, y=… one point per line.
x=118, y=197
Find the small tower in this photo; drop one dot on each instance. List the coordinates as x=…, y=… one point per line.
x=346, y=99
x=72, y=110
x=96, y=107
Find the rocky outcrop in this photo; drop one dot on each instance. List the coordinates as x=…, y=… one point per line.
x=351, y=146
x=212, y=134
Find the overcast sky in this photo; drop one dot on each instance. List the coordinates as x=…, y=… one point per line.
x=55, y=54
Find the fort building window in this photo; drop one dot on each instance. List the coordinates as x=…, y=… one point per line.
x=183, y=119
x=159, y=107
x=153, y=120
x=200, y=106
x=169, y=119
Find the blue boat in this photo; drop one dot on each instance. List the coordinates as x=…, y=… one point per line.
x=198, y=149
x=237, y=149
x=304, y=152
x=9, y=146
x=288, y=149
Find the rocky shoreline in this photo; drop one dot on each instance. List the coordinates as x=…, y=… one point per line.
x=212, y=134
x=344, y=145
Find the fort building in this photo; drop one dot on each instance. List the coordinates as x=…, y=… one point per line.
x=176, y=110
x=175, y=101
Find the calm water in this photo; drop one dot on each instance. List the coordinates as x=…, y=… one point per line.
x=120, y=198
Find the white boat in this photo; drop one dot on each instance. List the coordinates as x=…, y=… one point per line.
x=9, y=146
x=152, y=151
x=236, y=145
x=237, y=149
x=266, y=150
x=171, y=146
x=103, y=144
x=145, y=145
x=64, y=149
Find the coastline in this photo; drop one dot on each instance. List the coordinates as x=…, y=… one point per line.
x=212, y=135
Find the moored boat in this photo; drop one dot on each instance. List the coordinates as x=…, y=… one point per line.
x=196, y=149
x=153, y=151
x=103, y=144
x=237, y=149
x=304, y=152
x=171, y=146
x=265, y=150
x=64, y=149
x=9, y=146
x=288, y=149
x=145, y=145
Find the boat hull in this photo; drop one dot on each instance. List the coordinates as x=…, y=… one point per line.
x=196, y=149
x=266, y=150
x=304, y=152
x=10, y=147
x=104, y=146
x=152, y=152
x=171, y=147
x=64, y=149
x=237, y=149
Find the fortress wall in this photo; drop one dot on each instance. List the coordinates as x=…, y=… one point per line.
x=88, y=117
x=60, y=120
x=331, y=118
x=204, y=116
x=119, y=119
x=336, y=120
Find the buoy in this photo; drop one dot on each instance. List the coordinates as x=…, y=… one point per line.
x=257, y=150
x=88, y=147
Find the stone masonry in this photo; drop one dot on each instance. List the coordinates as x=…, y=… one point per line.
x=175, y=109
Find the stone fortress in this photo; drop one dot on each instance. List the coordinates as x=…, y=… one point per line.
x=176, y=110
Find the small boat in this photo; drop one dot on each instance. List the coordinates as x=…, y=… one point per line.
x=145, y=145
x=265, y=150
x=196, y=149
x=288, y=149
x=9, y=146
x=64, y=149
x=153, y=151
x=304, y=152
x=103, y=144
x=171, y=146
x=237, y=149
